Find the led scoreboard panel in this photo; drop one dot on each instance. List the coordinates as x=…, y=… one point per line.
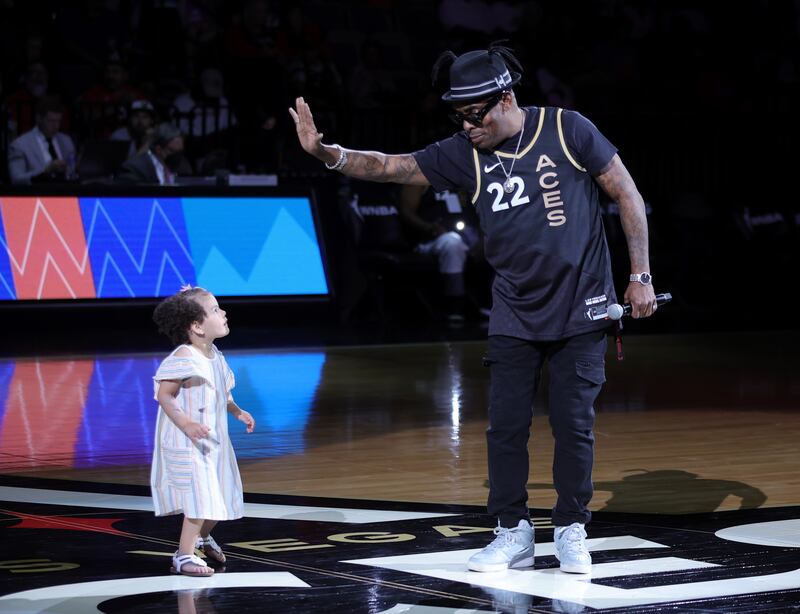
x=148, y=243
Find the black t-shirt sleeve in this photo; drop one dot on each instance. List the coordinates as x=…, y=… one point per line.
x=448, y=164
x=592, y=150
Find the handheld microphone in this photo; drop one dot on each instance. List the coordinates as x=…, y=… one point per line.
x=615, y=311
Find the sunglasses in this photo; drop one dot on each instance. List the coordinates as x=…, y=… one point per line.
x=476, y=117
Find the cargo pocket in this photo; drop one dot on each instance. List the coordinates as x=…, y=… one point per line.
x=178, y=465
x=591, y=370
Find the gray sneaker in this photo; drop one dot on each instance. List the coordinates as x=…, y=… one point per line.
x=571, y=549
x=567, y=607
x=511, y=548
x=509, y=602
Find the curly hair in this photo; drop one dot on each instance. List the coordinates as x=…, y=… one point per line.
x=175, y=314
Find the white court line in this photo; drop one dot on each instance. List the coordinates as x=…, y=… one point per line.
x=87, y=596
x=452, y=564
x=781, y=533
x=251, y=510
x=411, y=608
x=579, y=589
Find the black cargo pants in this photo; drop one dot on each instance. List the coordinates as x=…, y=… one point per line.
x=576, y=371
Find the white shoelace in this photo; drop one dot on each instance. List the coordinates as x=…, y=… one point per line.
x=504, y=537
x=574, y=539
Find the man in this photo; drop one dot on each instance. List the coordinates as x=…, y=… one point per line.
x=438, y=226
x=160, y=163
x=138, y=128
x=44, y=153
x=100, y=103
x=21, y=103
x=535, y=176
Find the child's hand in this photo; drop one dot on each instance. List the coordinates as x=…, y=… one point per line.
x=249, y=422
x=196, y=431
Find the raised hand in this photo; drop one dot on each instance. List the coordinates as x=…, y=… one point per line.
x=310, y=138
x=366, y=165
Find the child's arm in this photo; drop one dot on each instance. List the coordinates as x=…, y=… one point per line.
x=241, y=415
x=168, y=390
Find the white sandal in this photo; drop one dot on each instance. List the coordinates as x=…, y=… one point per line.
x=211, y=549
x=180, y=560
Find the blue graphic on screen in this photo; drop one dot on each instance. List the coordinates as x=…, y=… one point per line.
x=277, y=255
x=279, y=390
x=137, y=246
x=6, y=373
x=6, y=276
x=119, y=417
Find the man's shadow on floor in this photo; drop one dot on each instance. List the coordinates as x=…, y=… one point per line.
x=645, y=492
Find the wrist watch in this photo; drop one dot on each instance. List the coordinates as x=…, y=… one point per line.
x=643, y=278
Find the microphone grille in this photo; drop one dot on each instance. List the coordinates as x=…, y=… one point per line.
x=615, y=311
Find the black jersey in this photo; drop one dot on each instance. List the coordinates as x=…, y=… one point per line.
x=544, y=238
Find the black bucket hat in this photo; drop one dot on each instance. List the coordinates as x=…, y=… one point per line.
x=478, y=74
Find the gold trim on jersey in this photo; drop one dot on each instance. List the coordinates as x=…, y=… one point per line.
x=477, y=175
x=564, y=143
x=531, y=144
x=505, y=155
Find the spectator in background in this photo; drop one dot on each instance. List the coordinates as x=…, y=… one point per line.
x=430, y=220
x=139, y=127
x=160, y=163
x=87, y=31
x=159, y=45
x=253, y=32
x=256, y=79
x=34, y=85
x=554, y=91
x=308, y=62
x=261, y=146
x=100, y=104
x=43, y=154
x=205, y=110
x=297, y=35
x=202, y=36
x=31, y=49
x=371, y=85
x=315, y=74
x=480, y=16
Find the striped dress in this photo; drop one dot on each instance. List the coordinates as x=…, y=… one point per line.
x=198, y=479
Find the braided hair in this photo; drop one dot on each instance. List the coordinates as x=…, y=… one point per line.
x=446, y=59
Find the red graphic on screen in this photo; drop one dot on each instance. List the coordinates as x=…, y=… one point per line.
x=47, y=247
x=44, y=411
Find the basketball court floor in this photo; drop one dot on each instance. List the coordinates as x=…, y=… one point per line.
x=365, y=484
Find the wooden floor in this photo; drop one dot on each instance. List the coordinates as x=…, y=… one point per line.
x=696, y=435
x=685, y=424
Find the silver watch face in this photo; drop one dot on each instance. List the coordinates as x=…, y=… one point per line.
x=645, y=278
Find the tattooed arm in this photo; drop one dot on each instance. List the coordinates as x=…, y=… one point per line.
x=618, y=184
x=367, y=165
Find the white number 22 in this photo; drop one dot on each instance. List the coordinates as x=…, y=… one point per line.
x=516, y=200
